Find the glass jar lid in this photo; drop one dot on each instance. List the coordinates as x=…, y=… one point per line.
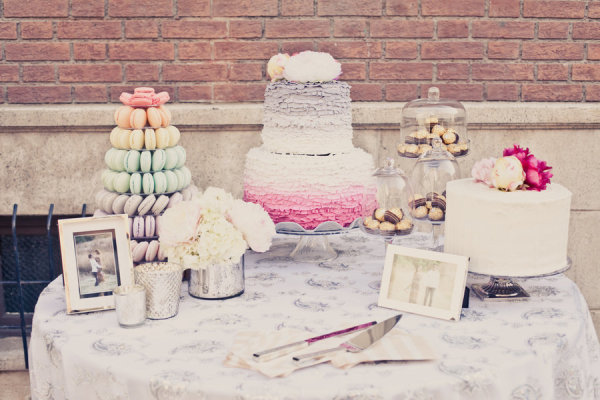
x=425, y=119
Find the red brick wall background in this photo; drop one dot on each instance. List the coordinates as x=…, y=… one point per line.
x=81, y=51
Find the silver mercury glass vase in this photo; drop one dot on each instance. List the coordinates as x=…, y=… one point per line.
x=162, y=281
x=217, y=281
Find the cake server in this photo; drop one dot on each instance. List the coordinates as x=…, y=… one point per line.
x=279, y=351
x=358, y=342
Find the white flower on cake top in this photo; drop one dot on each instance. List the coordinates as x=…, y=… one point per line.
x=308, y=66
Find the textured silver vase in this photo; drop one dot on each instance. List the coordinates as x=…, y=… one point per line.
x=162, y=281
x=217, y=281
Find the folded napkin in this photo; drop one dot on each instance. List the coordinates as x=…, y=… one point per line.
x=395, y=346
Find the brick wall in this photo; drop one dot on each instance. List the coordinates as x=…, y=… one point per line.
x=81, y=51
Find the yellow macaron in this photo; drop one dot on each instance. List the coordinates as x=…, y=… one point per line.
x=162, y=138
x=136, y=139
x=150, y=139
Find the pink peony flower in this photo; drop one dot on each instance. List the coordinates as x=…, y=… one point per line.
x=537, y=174
x=179, y=224
x=536, y=178
x=508, y=174
x=482, y=171
x=516, y=151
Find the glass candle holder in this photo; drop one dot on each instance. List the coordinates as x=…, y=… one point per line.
x=130, y=305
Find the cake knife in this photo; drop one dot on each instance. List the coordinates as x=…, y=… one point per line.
x=356, y=343
x=279, y=351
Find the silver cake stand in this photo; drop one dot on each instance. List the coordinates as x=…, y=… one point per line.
x=504, y=288
x=313, y=245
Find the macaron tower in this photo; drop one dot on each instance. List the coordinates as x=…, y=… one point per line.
x=146, y=171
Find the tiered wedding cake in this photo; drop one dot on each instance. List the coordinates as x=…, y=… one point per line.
x=146, y=172
x=504, y=230
x=307, y=170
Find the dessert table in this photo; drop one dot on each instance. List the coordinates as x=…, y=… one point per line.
x=543, y=348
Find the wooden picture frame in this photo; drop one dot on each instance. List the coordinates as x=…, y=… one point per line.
x=423, y=282
x=96, y=258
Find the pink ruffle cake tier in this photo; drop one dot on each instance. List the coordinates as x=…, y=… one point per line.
x=309, y=209
x=310, y=190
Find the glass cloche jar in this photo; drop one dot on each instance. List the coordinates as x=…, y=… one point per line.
x=430, y=174
x=426, y=119
x=392, y=217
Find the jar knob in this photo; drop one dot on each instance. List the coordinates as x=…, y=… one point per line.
x=389, y=163
x=433, y=94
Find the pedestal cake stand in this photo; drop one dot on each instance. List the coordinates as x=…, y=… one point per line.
x=313, y=245
x=504, y=288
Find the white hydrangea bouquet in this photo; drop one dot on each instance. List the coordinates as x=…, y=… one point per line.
x=307, y=66
x=214, y=229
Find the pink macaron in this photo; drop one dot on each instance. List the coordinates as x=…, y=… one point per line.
x=174, y=199
x=100, y=213
x=149, y=225
x=139, y=252
x=138, y=227
x=160, y=204
x=162, y=253
x=152, y=250
x=146, y=205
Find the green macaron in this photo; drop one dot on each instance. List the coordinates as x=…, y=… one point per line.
x=181, y=156
x=148, y=183
x=145, y=161
x=172, y=182
x=121, y=182
x=108, y=156
x=158, y=160
x=160, y=182
x=132, y=161
x=180, y=178
x=108, y=179
x=135, y=183
x=188, y=176
x=171, y=158
x=114, y=159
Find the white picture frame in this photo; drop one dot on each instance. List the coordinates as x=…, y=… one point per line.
x=96, y=258
x=423, y=282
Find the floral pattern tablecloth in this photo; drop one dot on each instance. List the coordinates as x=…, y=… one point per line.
x=540, y=349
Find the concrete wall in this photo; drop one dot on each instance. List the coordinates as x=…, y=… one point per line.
x=55, y=154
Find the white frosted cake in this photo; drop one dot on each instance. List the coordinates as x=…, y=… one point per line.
x=519, y=233
x=307, y=169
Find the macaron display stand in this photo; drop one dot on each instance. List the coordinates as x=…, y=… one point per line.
x=146, y=172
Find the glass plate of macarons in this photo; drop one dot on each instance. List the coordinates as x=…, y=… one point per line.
x=384, y=232
x=386, y=223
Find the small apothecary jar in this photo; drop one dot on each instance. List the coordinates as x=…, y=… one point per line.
x=426, y=119
x=392, y=216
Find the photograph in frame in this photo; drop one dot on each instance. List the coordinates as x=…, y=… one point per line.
x=96, y=259
x=423, y=282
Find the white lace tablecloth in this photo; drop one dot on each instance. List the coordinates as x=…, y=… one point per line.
x=540, y=349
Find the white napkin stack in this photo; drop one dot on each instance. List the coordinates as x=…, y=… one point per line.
x=395, y=346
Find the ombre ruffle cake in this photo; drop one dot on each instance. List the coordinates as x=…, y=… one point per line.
x=307, y=170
